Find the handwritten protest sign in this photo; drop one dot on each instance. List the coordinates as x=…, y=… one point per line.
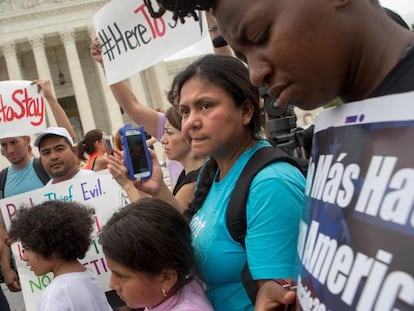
x=22, y=109
x=357, y=232
x=132, y=40
x=98, y=191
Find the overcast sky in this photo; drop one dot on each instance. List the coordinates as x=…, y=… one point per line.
x=403, y=7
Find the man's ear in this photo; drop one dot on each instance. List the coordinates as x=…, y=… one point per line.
x=27, y=139
x=341, y=3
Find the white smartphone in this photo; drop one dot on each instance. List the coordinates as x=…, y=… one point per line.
x=137, y=157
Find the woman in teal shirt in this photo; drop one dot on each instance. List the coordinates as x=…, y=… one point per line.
x=221, y=119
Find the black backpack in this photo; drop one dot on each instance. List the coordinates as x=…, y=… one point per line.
x=38, y=167
x=236, y=210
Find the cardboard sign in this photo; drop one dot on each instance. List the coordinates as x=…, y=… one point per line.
x=22, y=109
x=98, y=191
x=357, y=232
x=132, y=40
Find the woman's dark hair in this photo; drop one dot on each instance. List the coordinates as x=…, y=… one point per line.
x=87, y=145
x=173, y=117
x=231, y=75
x=149, y=236
x=54, y=228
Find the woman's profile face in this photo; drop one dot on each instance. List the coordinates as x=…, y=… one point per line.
x=211, y=121
x=176, y=147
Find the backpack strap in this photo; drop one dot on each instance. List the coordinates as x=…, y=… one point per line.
x=40, y=171
x=3, y=176
x=236, y=210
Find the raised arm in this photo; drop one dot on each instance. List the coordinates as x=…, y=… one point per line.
x=61, y=117
x=123, y=94
x=10, y=276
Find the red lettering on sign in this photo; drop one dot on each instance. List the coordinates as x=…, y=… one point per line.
x=25, y=107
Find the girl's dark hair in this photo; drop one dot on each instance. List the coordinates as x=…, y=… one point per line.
x=87, y=145
x=149, y=236
x=173, y=117
x=54, y=228
x=232, y=76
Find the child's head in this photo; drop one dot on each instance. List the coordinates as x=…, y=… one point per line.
x=52, y=230
x=148, y=248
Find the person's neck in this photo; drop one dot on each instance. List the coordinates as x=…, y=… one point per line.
x=63, y=267
x=191, y=163
x=68, y=176
x=22, y=164
x=375, y=60
x=226, y=160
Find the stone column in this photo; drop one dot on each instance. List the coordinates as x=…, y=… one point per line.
x=136, y=85
x=112, y=107
x=43, y=70
x=13, y=68
x=158, y=84
x=78, y=81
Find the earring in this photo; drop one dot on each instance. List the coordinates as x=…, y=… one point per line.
x=164, y=292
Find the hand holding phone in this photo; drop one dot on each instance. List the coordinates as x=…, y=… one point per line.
x=136, y=155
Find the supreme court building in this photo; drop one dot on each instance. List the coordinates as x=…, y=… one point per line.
x=49, y=39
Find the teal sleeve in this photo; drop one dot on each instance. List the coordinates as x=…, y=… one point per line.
x=274, y=209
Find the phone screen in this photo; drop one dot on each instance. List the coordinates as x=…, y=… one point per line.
x=136, y=142
x=108, y=144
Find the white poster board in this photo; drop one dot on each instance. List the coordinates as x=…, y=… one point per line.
x=98, y=191
x=132, y=40
x=22, y=109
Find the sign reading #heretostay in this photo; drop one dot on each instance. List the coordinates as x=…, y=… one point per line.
x=132, y=40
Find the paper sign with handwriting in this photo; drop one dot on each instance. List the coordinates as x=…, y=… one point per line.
x=98, y=191
x=132, y=40
x=22, y=109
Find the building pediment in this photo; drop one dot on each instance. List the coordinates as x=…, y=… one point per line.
x=30, y=9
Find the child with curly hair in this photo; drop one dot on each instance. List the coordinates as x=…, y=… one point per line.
x=54, y=235
x=148, y=248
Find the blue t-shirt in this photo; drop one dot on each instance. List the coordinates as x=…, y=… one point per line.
x=21, y=180
x=274, y=209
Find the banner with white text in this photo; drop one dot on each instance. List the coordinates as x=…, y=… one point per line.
x=132, y=40
x=357, y=233
x=98, y=191
x=22, y=109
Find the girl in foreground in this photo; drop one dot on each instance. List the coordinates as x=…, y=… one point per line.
x=147, y=245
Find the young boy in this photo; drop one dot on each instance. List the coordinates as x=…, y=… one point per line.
x=54, y=235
